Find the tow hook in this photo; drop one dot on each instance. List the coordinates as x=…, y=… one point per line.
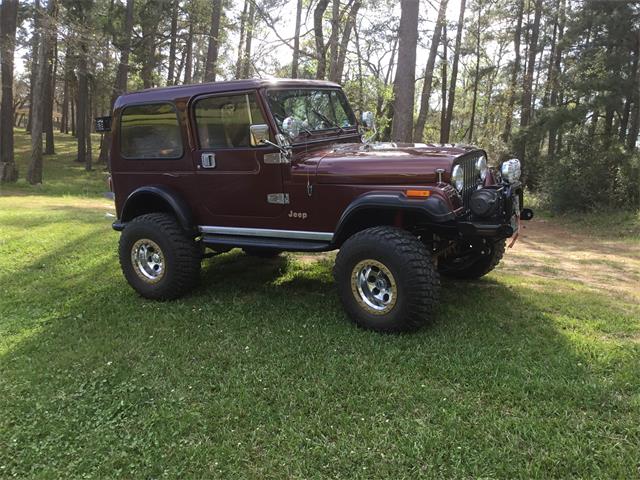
x=526, y=214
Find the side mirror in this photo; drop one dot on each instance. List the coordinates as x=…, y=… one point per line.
x=291, y=126
x=369, y=120
x=259, y=133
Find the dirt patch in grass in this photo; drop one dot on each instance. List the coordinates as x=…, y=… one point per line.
x=546, y=249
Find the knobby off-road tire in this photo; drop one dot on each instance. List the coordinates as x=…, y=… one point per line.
x=158, y=258
x=386, y=280
x=475, y=267
x=261, y=252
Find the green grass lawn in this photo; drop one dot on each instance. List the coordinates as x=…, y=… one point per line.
x=62, y=175
x=258, y=374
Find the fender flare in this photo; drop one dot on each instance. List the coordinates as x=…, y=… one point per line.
x=434, y=208
x=177, y=205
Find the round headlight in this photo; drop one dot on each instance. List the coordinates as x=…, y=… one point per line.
x=481, y=167
x=511, y=170
x=457, y=177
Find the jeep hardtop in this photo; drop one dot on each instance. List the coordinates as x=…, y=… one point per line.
x=283, y=165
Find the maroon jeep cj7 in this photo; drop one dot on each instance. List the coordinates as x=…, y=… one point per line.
x=282, y=165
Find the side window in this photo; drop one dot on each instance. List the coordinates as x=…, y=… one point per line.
x=150, y=132
x=223, y=122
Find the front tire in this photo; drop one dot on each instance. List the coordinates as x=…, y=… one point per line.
x=158, y=258
x=386, y=280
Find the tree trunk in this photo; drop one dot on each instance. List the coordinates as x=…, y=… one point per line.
x=8, y=20
x=554, y=80
x=405, y=82
x=490, y=84
x=476, y=78
x=321, y=49
x=443, y=86
x=418, y=133
x=83, y=102
x=387, y=78
x=454, y=75
x=333, y=39
x=122, y=75
x=513, y=84
x=35, y=45
x=172, y=42
x=64, y=121
x=50, y=89
x=151, y=17
x=296, y=41
x=527, y=93
x=338, y=70
x=360, y=73
x=34, y=173
x=246, y=64
x=180, y=66
x=188, y=63
x=536, y=84
x=608, y=124
x=214, y=42
x=74, y=133
x=634, y=129
x=197, y=57
x=552, y=55
x=120, y=84
x=88, y=165
x=243, y=29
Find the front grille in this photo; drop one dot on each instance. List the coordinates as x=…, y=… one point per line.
x=471, y=180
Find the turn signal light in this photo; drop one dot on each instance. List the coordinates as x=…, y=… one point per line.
x=418, y=193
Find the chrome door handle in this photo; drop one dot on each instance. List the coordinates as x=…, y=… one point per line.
x=208, y=160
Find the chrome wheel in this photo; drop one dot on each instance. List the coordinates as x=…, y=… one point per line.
x=148, y=260
x=374, y=287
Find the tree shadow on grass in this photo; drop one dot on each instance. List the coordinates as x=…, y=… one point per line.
x=258, y=368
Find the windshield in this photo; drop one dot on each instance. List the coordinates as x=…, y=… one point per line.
x=315, y=109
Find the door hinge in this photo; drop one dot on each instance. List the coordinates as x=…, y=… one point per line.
x=278, y=198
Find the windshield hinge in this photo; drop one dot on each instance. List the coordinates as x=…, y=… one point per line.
x=275, y=158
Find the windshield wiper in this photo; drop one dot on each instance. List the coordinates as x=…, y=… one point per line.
x=326, y=119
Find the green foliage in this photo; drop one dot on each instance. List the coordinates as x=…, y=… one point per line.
x=589, y=177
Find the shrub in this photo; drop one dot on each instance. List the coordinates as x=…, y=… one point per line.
x=588, y=177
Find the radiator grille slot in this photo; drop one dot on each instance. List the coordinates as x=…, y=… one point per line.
x=470, y=177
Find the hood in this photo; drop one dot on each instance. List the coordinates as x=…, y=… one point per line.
x=385, y=163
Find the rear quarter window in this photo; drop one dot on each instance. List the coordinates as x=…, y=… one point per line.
x=150, y=131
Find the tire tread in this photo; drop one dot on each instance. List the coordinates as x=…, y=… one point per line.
x=185, y=273
x=424, y=285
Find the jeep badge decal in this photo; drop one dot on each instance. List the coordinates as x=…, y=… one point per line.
x=302, y=215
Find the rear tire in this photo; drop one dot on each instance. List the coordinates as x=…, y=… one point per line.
x=386, y=280
x=474, y=267
x=158, y=258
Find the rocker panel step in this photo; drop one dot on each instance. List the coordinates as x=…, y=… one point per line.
x=286, y=244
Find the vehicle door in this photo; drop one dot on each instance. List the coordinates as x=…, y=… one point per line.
x=235, y=183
